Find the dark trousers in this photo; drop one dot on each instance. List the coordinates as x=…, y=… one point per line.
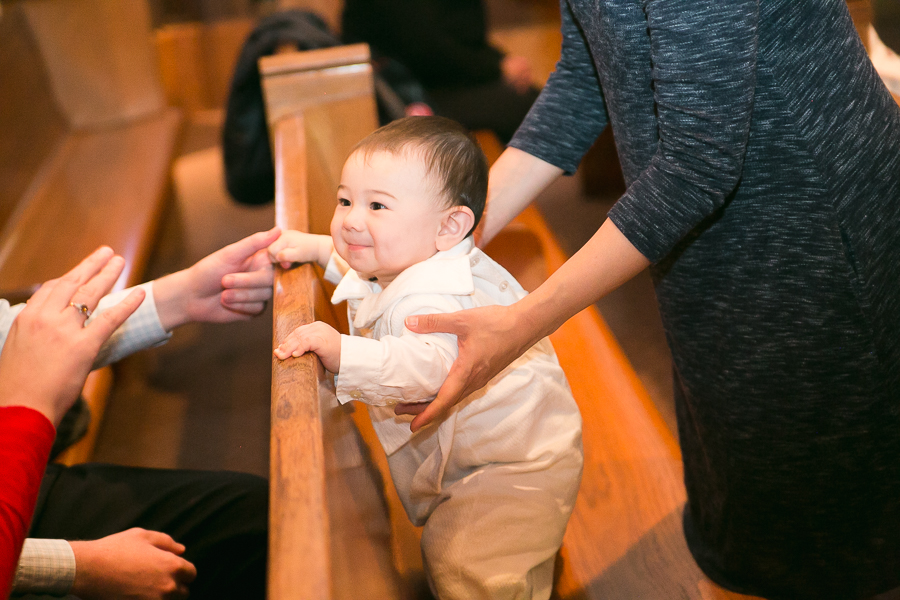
x=495, y=106
x=220, y=517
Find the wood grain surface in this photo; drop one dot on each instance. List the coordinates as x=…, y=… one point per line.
x=100, y=187
x=329, y=529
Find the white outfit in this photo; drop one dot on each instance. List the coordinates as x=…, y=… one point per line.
x=495, y=481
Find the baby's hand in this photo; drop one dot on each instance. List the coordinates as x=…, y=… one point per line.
x=296, y=246
x=316, y=337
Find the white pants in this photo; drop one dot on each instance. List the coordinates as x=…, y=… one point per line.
x=491, y=531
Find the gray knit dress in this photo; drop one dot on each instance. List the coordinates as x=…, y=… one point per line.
x=762, y=156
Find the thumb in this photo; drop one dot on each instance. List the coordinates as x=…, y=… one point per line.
x=250, y=245
x=439, y=323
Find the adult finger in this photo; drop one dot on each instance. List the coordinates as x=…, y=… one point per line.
x=454, y=389
x=62, y=292
x=410, y=408
x=260, y=261
x=250, y=245
x=436, y=323
x=112, y=318
x=257, y=278
x=163, y=541
x=245, y=311
x=252, y=294
x=47, y=290
x=187, y=572
x=100, y=284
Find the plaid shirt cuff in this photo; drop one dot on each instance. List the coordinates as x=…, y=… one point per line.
x=45, y=567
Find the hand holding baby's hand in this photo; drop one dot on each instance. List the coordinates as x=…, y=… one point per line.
x=316, y=337
x=296, y=246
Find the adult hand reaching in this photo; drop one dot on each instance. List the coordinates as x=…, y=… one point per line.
x=135, y=564
x=231, y=284
x=489, y=339
x=49, y=350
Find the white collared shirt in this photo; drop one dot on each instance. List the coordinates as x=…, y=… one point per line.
x=383, y=363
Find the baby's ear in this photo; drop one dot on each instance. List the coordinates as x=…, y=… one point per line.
x=455, y=226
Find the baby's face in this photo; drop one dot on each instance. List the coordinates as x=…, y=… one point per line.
x=388, y=214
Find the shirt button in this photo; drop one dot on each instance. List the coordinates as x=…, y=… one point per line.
x=474, y=260
x=504, y=285
x=356, y=394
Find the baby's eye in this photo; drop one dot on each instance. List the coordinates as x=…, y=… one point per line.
x=343, y=202
x=377, y=206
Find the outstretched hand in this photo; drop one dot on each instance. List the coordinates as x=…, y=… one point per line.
x=231, y=284
x=49, y=350
x=489, y=339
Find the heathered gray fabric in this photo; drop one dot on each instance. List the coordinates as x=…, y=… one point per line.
x=762, y=155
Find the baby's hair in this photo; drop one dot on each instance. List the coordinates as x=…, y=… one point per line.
x=451, y=156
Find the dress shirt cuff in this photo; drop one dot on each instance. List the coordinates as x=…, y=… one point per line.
x=361, y=360
x=141, y=330
x=45, y=567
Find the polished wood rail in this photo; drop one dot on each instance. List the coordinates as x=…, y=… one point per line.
x=330, y=533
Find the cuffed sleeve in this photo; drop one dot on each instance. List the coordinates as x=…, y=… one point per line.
x=704, y=74
x=45, y=567
x=141, y=330
x=392, y=370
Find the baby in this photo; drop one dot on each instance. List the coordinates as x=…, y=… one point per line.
x=493, y=483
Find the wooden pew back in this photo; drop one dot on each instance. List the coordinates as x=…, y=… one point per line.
x=32, y=124
x=86, y=148
x=329, y=531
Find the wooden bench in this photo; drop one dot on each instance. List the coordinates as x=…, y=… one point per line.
x=337, y=527
x=86, y=148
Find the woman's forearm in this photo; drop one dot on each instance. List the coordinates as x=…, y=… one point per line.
x=607, y=261
x=516, y=179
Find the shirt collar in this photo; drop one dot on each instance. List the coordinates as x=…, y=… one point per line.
x=447, y=272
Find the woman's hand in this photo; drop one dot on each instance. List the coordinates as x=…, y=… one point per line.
x=49, y=350
x=489, y=339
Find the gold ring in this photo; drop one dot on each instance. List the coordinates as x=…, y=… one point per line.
x=82, y=308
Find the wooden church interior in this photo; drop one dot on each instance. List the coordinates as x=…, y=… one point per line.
x=112, y=112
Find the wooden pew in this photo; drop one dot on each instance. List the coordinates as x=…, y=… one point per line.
x=330, y=534
x=330, y=494
x=86, y=148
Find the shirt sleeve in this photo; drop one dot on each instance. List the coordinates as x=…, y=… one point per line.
x=570, y=113
x=26, y=436
x=704, y=76
x=141, y=330
x=406, y=367
x=45, y=567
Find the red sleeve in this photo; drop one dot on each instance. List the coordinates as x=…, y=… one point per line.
x=25, y=440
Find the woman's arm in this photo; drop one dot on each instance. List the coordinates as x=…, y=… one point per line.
x=516, y=179
x=492, y=337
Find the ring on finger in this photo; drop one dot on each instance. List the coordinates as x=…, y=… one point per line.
x=82, y=308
